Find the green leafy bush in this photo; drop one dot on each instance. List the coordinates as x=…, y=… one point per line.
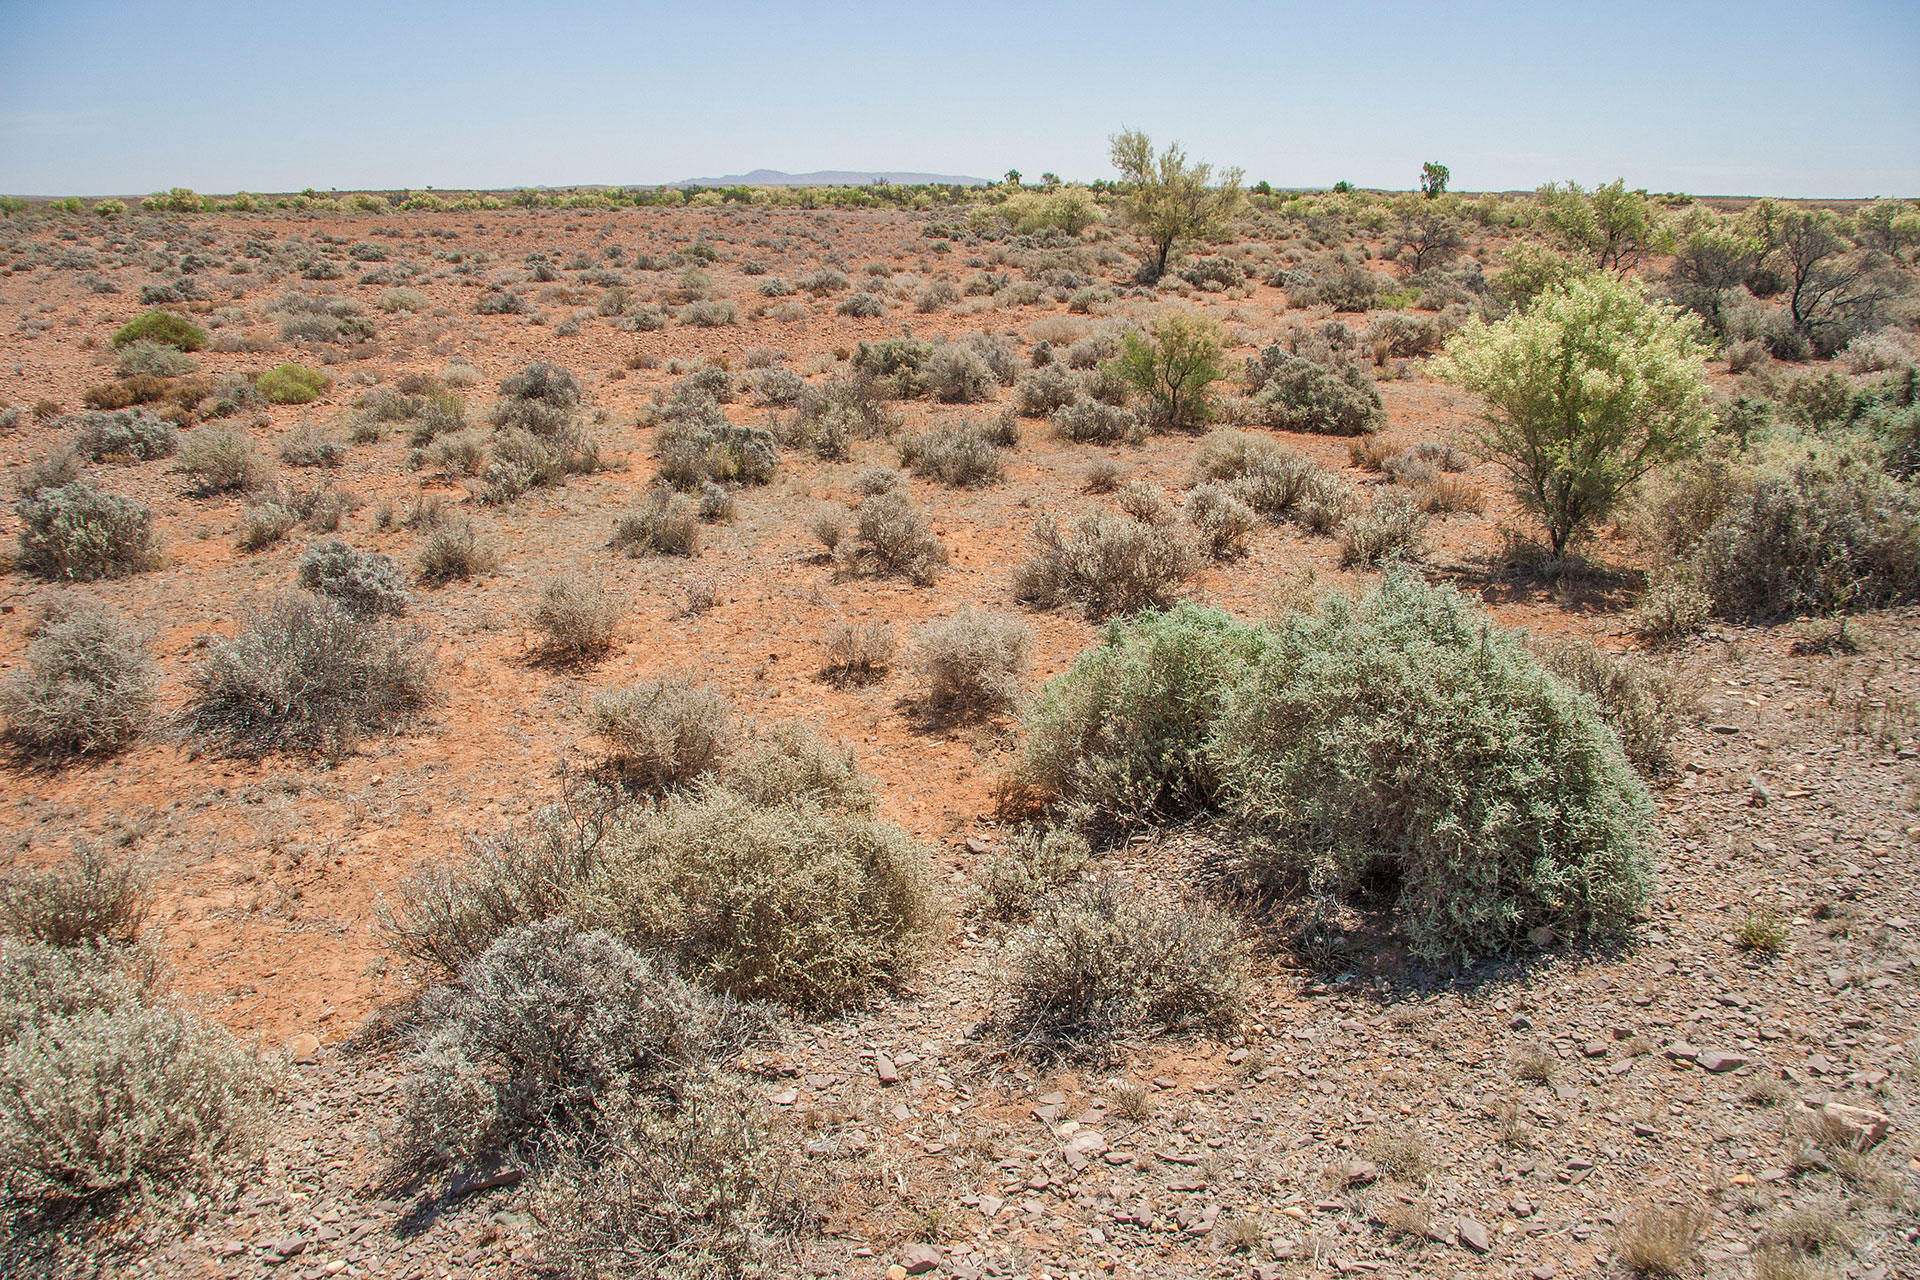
x=1173, y=369
x=71, y=533
x=292, y=384
x=164, y=328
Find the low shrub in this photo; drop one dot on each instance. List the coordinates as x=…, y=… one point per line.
x=219, y=460
x=164, y=328
x=1298, y=395
x=666, y=523
x=835, y=414
x=546, y=1028
x=1405, y=740
x=1122, y=737
x=292, y=384
x=1030, y=862
x=153, y=360
x=1820, y=536
x=1392, y=528
x=811, y=907
x=891, y=538
x=862, y=306
x=709, y=314
x=1099, y=961
x=454, y=550
x=1644, y=706
x=663, y=734
x=1091, y=422
x=576, y=617
x=87, y=689
x=500, y=302
x=106, y=1093
x=264, y=524
x=1041, y=392
x=305, y=675
x=974, y=661
x=958, y=375
x=954, y=455
x=1220, y=520
x=310, y=446
x=72, y=533
x=86, y=900
x=129, y=435
x=693, y=453
x=365, y=583
x=786, y=763
x=856, y=653
x=1106, y=564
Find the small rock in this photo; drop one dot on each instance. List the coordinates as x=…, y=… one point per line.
x=1542, y=937
x=918, y=1259
x=1681, y=1051
x=1720, y=1060
x=1595, y=1049
x=1361, y=1172
x=1473, y=1235
x=785, y=1098
x=884, y=1069
x=976, y=845
x=896, y=1272
x=304, y=1047
x=990, y=1206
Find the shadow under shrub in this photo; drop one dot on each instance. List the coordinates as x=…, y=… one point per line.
x=1099, y=961
x=307, y=675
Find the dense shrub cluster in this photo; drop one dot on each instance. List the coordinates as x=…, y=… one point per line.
x=1401, y=740
x=966, y=454
x=130, y=435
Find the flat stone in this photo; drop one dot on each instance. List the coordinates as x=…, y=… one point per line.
x=1595, y=1048
x=884, y=1070
x=304, y=1047
x=1720, y=1060
x=1361, y=1172
x=1473, y=1235
x=1863, y=1126
x=990, y=1206
x=918, y=1259
x=1681, y=1051
x=976, y=845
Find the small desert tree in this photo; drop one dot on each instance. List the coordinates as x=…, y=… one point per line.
x=1613, y=225
x=1434, y=177
x=1586, y=391
x=1174, y=368
x=1170, y=202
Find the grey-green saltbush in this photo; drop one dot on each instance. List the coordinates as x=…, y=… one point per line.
x=1404, y=740
x=72, y=533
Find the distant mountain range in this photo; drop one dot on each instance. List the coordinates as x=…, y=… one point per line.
x=829, y=178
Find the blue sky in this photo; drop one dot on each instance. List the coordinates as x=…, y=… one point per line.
x=109, y=97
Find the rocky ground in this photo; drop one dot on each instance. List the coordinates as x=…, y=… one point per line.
x=1533, y=1117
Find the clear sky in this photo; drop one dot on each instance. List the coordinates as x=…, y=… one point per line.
x=105, y=97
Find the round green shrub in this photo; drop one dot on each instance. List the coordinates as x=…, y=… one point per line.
x=1121, y=737
x=292, y=384
x=163, y=328
x=1407, y=741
